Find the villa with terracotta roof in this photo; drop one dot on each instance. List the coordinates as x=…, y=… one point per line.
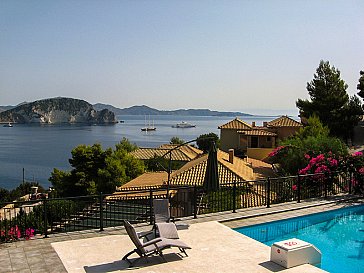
x=256, y=141
x=284, y=126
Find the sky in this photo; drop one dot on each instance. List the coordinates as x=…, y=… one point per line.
x=248, y=56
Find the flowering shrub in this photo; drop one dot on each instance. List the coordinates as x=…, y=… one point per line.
x=277, y=151
x=316, y=168
x=320, y=164
x=14, y=233
x=319, y=168
x=354, y=164
x=284, y=158
x=29, y=232
x=324, y=166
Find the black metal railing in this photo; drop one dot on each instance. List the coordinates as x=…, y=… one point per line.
x=22, y=219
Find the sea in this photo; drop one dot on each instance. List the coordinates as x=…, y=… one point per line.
x=30, y=152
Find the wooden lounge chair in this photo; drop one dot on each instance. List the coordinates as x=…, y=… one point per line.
x=152, y=247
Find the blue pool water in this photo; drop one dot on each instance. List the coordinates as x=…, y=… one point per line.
x=339, y=234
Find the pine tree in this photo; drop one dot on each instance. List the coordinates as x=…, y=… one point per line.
x=331, y=102
x=360, y=85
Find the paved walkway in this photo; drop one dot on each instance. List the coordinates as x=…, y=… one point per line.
x=38, y=255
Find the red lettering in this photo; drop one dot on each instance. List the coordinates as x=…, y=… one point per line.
x=290, y=243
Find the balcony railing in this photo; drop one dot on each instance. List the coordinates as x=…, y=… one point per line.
x=45, y=216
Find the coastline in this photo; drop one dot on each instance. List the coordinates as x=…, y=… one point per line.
x=41, y=147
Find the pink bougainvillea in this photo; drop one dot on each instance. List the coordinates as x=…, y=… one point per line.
x=29, y=232
x=276, y=151
x=333, y=162
x=320, y=164
x=304, y=170
x=355, y=165
x=14, y=233
x=316, y=166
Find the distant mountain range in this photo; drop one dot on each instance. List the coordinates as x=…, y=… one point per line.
x=7, y=107
x=146, y=110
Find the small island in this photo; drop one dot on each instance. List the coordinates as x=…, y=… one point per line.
x=57, y=110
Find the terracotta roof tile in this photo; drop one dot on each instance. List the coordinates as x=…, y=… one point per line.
x=147, y=179
x=236, y=124
x=190, y=151
x=193, y=172
x=257, y=132
x=148, y=153
x=140, y=187
x=284, y=121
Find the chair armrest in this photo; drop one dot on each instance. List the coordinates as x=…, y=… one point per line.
x=144, y=233
x=152, y=242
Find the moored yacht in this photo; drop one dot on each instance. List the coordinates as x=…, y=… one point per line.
x=184, y=124
x=148, y=127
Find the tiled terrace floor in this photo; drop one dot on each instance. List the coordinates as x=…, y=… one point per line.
x=39, y=256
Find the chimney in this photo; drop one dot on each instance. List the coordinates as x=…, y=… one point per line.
x=231, y=156
x=265, y=124
x=253, y=124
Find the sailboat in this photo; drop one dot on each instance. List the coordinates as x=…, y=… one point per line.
x=149, y=127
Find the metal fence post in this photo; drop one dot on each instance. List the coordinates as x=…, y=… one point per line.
x=151, y=206
x=234, y=196
x=101, y=213
x=45, y=220
x=195, y=202
x=23, y=214
x=350, y=181
x=268, y=192
x=325, y=184
x=298, y=189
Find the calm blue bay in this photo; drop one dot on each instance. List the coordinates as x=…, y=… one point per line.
x=40, y=148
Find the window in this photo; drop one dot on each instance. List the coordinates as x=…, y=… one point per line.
x=269, y=139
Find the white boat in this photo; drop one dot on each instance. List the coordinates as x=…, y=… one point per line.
x=8, y=125
x=184, y=124
x=148, y=127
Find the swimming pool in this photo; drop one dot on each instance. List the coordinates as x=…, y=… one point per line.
x=339, y=234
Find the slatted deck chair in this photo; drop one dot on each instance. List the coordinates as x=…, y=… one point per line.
x=152, y=247
x=162, y=213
